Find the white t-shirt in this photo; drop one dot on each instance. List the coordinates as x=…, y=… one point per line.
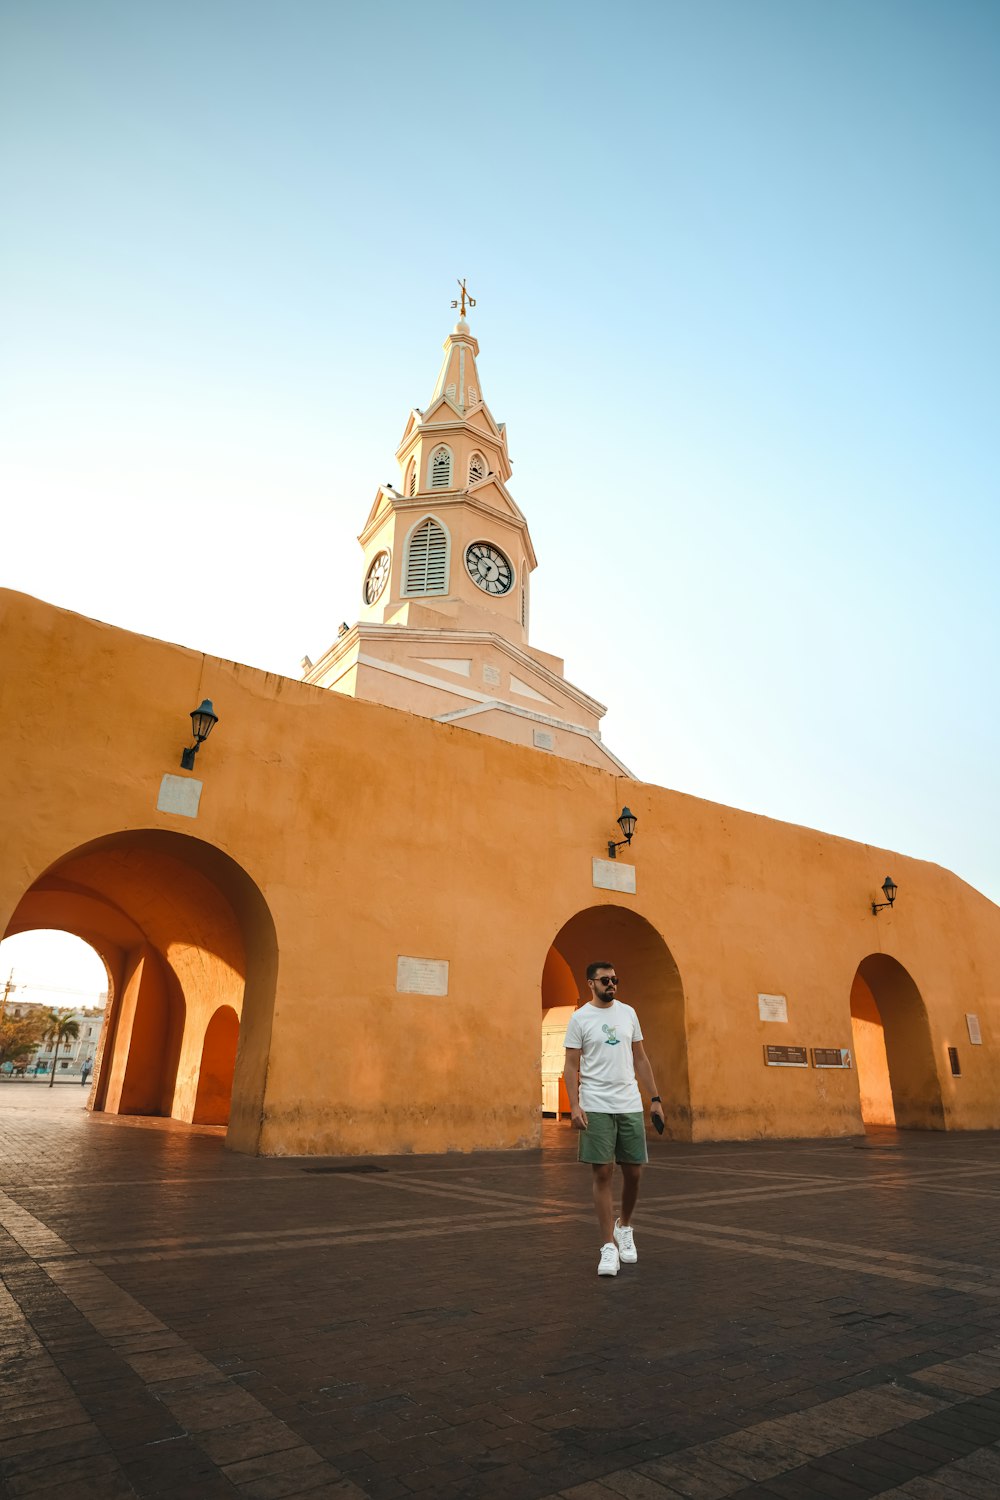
x=607, y=1073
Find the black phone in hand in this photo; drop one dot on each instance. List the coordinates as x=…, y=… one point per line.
x=657, y=1123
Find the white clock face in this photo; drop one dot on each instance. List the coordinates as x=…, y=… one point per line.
x=377, y=577
x=488, y=568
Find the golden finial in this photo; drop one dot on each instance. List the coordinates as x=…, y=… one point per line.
x=465, y=298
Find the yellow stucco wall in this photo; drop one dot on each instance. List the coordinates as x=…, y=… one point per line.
x=343, y=834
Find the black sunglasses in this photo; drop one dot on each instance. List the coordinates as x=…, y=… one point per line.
x=612, y=980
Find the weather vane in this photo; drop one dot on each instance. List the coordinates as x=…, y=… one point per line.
x=465, y=298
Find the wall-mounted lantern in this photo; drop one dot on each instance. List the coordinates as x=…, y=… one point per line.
x=203, y=721
x=889, y=888
x=626, y=823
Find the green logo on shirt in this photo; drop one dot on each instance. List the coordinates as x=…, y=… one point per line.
x=609, y=1037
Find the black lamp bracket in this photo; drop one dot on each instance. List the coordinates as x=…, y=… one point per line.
x=203, y=721
x=626, y=822
x=889, y=889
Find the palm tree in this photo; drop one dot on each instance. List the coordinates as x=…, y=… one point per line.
x=59, y=1027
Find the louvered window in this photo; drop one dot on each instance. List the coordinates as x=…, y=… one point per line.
x=441, y=470
x=411, y=478
x=477, y=468
x=427, y=559
x=473, y=396
x=450, y=391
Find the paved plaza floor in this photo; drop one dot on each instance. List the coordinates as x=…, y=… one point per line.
x=807, y=1319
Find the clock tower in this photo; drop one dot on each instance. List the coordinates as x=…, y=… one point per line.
x=445, y=586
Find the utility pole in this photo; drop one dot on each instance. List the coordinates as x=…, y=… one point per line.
x=10, y=985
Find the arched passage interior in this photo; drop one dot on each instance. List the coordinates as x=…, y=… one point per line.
x=897, y=1075
x=650, y=983
x=191, y=953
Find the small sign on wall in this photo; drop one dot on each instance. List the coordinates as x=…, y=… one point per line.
x=772, y=1007
x=421, y=976
x=613, y=875
x=831, y=1057
x=786, y=1057
x=180, y=795
x=975, y=1033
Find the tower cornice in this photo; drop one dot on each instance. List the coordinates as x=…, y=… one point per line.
x=435, y=431
x=443, y=500
x=354, y=639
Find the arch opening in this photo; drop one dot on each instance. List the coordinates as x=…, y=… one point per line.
x=650, y=983
x=897, y=1075
x=44, y=973
x=218, y=1062
x=191, y=953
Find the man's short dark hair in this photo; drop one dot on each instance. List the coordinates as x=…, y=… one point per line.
x=594, y=969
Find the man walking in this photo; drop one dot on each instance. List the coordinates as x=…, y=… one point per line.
x=604, y=1057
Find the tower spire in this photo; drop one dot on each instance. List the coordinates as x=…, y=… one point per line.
x=458, y=378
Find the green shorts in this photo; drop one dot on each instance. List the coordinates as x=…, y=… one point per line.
x=607, y=1138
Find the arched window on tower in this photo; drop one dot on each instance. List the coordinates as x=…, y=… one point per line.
x=426, y=570
x=441, y=469
x=477, y=468
x=473, y=396
x=410, y=484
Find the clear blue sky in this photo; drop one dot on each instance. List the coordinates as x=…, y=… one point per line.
x=736, y=263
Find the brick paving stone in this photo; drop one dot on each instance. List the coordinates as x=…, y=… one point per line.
x=697, y=1478
x=64, y=1476
x=985, y=1462
x=812, y=1484
x=633, y=1486
x=934, y=1450
x=62, y=1440
x=924, y=1488
x=589, y=1491
x=280, y=1486
x=964, y=1483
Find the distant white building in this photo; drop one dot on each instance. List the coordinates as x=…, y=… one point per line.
x=72, y=1056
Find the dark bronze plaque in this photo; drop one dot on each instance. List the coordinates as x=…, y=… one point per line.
x=831, y=1057
x=786, y=1057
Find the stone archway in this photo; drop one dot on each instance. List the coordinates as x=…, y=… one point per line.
x=186, y=936
x=650, y=981
x=897, y=1075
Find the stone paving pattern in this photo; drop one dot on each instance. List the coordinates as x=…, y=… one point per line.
x=813, y=1320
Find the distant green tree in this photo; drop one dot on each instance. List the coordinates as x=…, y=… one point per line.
x=20, y=1035
x=59, y=1027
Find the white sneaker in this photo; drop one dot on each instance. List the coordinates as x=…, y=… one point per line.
x=627, y=1252
x=609, y=1260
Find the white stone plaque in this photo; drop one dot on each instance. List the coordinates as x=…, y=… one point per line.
x=975, y=1034
x=613, y=875
x=491, y=676
x=543, y=739
x=421, y=976
x=772, y=1007
x=179, y=794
